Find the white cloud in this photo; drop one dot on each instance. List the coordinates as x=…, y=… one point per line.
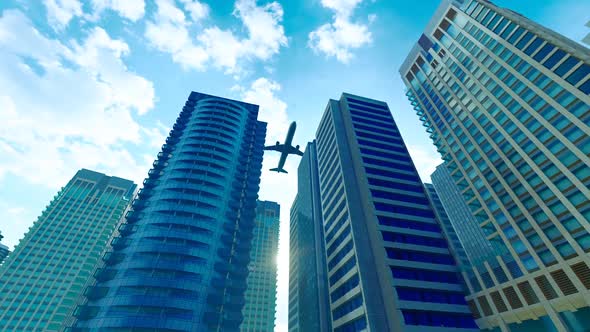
x=273, y=110
x=60, y=12
x=338, y=38
x=197, y=9
x=130, y=9
x=65, y=107
x=425, y=159
x=171, y=32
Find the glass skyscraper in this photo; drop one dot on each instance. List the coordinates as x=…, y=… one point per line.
x=473, y=239
x=309, y=306
x=43, y=279
x=389, y=266
x=447, y=227
x=261, y=292
x=181, y=260
x=506, y=101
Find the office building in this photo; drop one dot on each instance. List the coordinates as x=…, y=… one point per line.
x=506, y=102
x=261, y=292
x=309, y=306
x=472, y=238
x=4, y=251
x=181, y=260
x=389, y=266
x=446, y=226
x=43, y=279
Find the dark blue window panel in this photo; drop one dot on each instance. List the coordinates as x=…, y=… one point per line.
x=402, y=223
x=568, y=64
x=413, y=239
x=525, y=39
x=517, y=33
x=398, y=197
x=336, y=227
x=493, y=22
x=508, y=30
x=434, y=318
x=578, y=74
x=343, y=270
x=367, y=109
x=341, y=254
x=356, y=325
x=424, y=275
x=389, y=174
x=373, y=123
x=429, y=295
x=389, y=138
x=403, y=210
x=337, y=241
x=543, y=52
x=368, y=115
x=554, y=59
x=387, y=163
x=419, y=256
x=500, y=26
x=347, y=307
x=346, y=287
x=382, y=146
x=585, y=88
x=383, y=107
x=395, y=185
x=389, y=131
x=533, y=46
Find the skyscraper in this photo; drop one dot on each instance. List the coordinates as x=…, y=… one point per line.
x=477, y=247
x=309, y=306
x=42, y=280
x=389, y=267
x=449, y=232
x=506, y=101
x=181, y=260
x=4, y=251
x=261, y=292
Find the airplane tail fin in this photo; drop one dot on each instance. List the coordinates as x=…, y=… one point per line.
x=278, y=170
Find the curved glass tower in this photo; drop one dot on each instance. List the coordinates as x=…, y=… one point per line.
x=180, y=262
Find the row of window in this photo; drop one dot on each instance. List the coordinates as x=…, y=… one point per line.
x=441, y=319
x=413, y=239
x=424, y=275
x=430, y=295
x=418, y=256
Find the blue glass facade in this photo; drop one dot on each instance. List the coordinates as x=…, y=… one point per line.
x=389, y=266
x=447, y=227
x=472, y=238
x=180, y=261
x=506, y=101
x=309, y=308
x=42, y=281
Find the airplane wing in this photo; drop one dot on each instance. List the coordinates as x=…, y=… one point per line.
x=278, y=147
x=293, y=150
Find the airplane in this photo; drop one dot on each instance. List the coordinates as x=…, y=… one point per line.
x=285, y=149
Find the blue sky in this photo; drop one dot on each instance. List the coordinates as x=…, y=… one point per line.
x=98, y=83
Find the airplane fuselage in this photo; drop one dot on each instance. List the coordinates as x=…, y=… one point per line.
x=288, y=141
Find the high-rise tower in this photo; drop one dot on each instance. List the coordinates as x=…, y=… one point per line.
x=42, y=280
x=506, y=101
x=261, y=293
x=309, y=305
x=181, y=260
x=389, y=267
x=449, y=231
x=477, y=247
